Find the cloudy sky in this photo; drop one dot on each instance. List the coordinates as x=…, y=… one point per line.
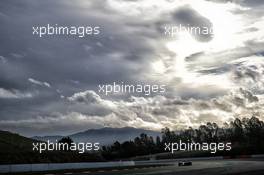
x=49, y=85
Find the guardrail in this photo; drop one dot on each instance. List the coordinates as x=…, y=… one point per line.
x=172, y=161
x=15, y=168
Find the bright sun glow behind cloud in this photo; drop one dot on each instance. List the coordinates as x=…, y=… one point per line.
x=225, y=24
x=226, y=28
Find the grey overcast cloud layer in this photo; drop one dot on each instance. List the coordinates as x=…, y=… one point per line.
x=49, y=85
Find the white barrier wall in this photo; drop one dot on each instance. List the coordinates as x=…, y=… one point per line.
x=60, y=166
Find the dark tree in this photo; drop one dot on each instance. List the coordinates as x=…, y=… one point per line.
x=246, y=136
x=66, y=140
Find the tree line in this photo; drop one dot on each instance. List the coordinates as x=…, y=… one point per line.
x=246, y=136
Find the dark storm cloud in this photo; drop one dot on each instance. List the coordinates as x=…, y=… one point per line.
x=53, y=67
x=49, y=85
x=253, y=3
x=190, y=18
x=250, y=3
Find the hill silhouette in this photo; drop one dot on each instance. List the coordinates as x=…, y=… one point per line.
x=11, y=142
x=105, y=136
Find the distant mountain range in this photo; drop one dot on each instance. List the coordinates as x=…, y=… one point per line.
x=105, y=136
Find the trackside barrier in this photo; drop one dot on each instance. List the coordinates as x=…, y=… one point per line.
x=173, y=161
x=64, y=166
x=15, y=168
x=258, y=156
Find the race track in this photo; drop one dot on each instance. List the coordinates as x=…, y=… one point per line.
x=206, y=167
